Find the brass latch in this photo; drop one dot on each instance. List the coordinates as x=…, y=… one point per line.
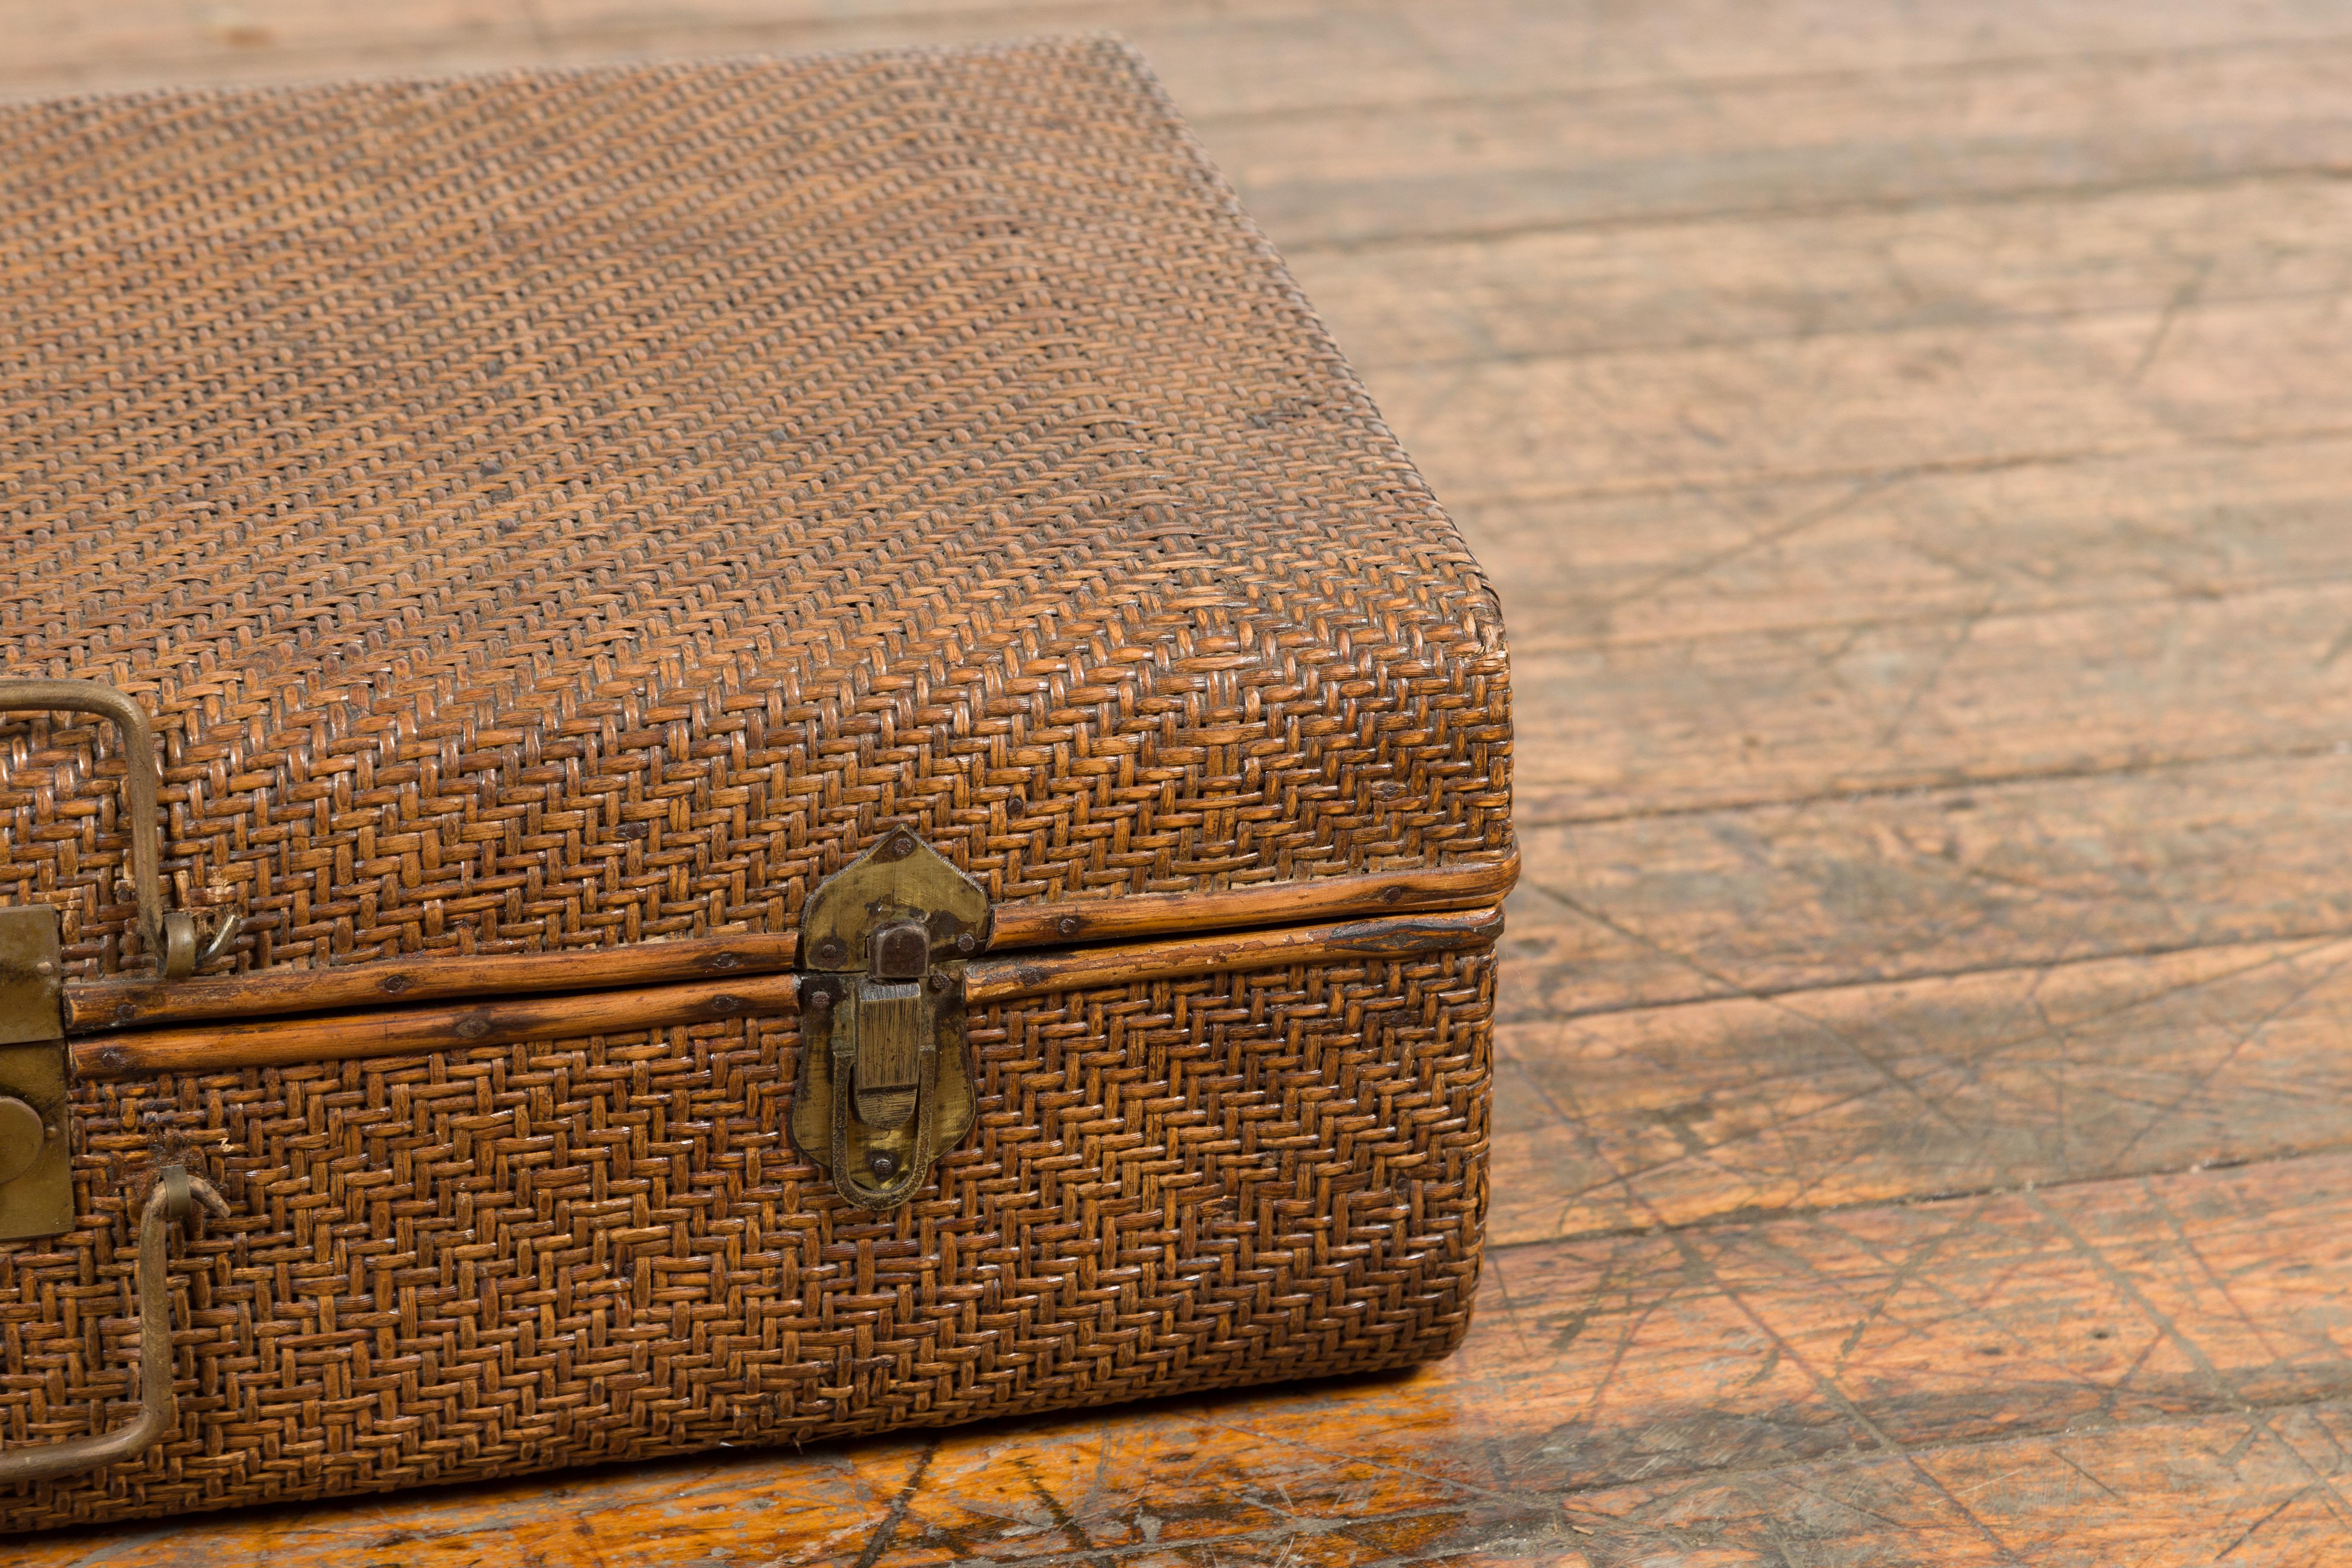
x=884, y=1083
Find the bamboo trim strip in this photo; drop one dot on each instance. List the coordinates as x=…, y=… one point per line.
x=419, y=1031
x=1007, y=979
x=108, y=1006
x=1259, y=904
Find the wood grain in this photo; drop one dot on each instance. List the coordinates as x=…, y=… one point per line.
x=2169, y=1494
x=1271, y=58
x=420, y=1031
x=1758, y=719
x=146, y=43
x=1751, y=278
x=1002, y=979
x=1223, y=57
x=2194, y=522
x=1869, y=1093
x=1470, y=884
x=1757, y=902
x=1493, y=165
x=1876, y=404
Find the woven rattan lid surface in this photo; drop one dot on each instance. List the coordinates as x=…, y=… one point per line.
x=550, y=510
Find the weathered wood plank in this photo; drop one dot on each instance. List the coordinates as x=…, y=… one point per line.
x=1798, y=1099
x=89, y=48
x=2198, y=523
x=2262, y=1488
x=1980, y=522
x=1494, y=167
x=1713, y=282
x=1648, y=1389
x=1870, y=1093
x=1259, y=57
x=1819, y=713
x=1874, y=406
x=1361, y=171
x=1647, y=911
x=1272, y=57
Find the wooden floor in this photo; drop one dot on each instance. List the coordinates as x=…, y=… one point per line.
x=1915, y=446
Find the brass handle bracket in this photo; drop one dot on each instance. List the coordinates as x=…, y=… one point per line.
x=885, y=1085
x=170, y=1206
x=178, y=943
x=36, y=1068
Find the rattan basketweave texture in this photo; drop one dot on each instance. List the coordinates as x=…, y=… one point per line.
x=551, y=511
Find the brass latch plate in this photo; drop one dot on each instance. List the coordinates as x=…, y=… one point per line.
x=36, y=1155
x=885, y=1084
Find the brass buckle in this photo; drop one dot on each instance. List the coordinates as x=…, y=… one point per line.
x=885, y=1085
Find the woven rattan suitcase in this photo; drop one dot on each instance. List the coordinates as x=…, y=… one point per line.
x=717, y=753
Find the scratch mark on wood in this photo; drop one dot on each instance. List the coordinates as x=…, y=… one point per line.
x=886, y=1528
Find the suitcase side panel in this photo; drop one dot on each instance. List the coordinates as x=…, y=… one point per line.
x=521, y=1258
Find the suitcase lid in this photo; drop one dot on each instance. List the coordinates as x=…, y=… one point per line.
x=549, y=510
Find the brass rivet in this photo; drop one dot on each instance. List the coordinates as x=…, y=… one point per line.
x=966, y=942
x=831, y=951
x=1069, y=925
x=883, y=1166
